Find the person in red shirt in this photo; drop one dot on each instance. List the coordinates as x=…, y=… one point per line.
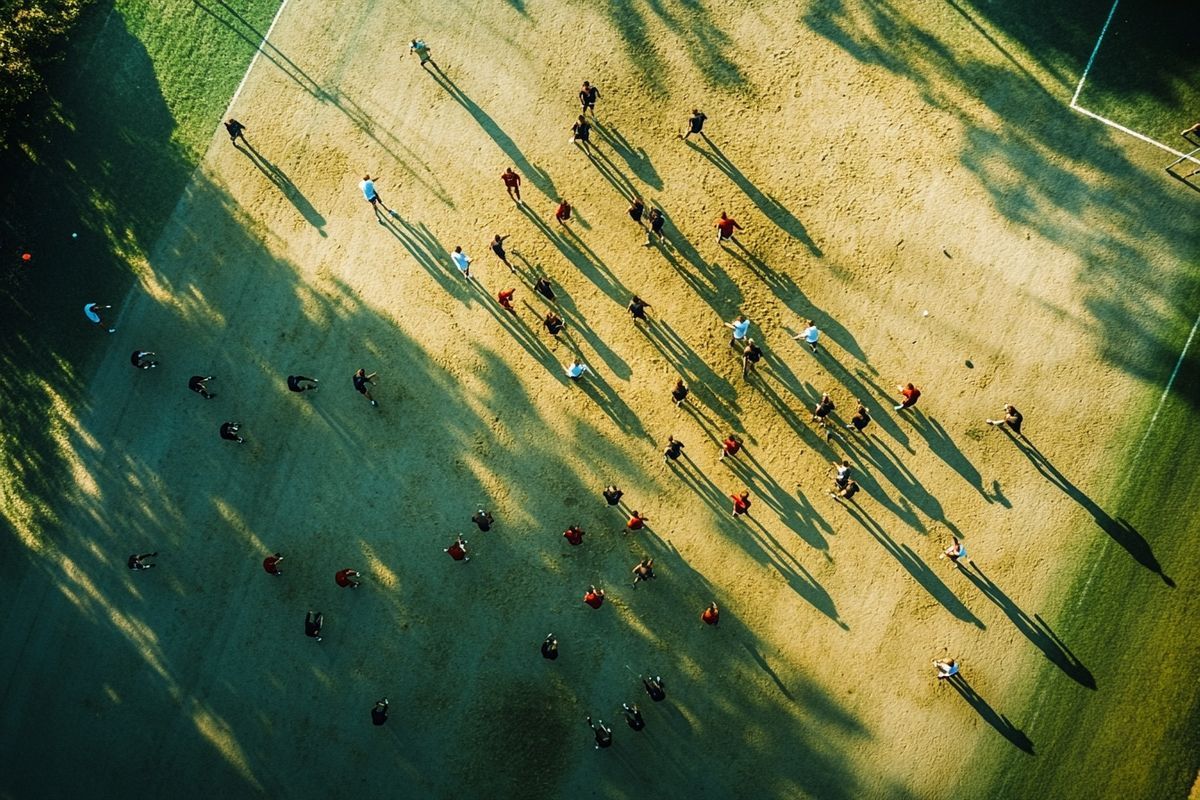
x=457, y=549
x=346, y=578
x=711, y=615
x=512, y=183
x=505, y=299
x=910, y=394
x=563, y=212
x=741, y=503
x=271, y=564
x=594, y=597
x=726, y=225
x=636, y=522
x=574, y=535
x=730, y=447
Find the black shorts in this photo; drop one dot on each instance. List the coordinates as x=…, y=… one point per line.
x=375, y=199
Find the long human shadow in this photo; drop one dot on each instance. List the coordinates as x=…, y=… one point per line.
x=997, y=720
x=427, y=251
x=918, y=569
x=581, y=256
x=943, y=446
x=610, y=172
x=877, y=453
x=706, y=385
x=769, y=206
x=1034, y=628
x=524, y=333
x=602, y=393
x=762, y=378
x=637, y=160
x=711, y=283
x=856, y=448
x=797, y=575
x=282, y=182
x=1121, y=531
x=864, y=386
x=794, y=510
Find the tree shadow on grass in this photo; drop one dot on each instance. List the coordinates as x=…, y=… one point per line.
x=989, y=715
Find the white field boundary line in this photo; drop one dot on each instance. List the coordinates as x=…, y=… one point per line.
x=1092, y=60
x=258, y=52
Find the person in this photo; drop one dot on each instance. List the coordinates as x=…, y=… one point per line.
x=296, y=383
x=636, y=522
x=92, y=312
x=483, y=519
x=313, y=621
x=602, y=732
x=910, y=394
x=821, y=413
x=946, y=668
x=379, y=713
x=362, y=384
x=655, y=688
x=504, y=298
x=574, y=535
x=841, y=476
x=594, y=597
x=657, y=220
x=229, y=432
x=695, y=124
x=711, y=615
x=271, y=564
x=955, y=551
x=550, y=647
x=636, y=209
x=726, y=225
x=637, y=308
x=553, y=324
x=137, y=562
x=846, y=493
x=141, y=359
x=544, y=288
x=235, y=129
x=730, y=447
x=345, y=578
x=457, y=549
x=633, y=716
x=581, y=132
x=1012, y=418
x=462, y=261
x=740, y=327
x=810, y=335
x=741, y=503
x=367, y=184
x=679, y=393
x=612, y=495
x=198, y=384
x=419, y=47
x=1192, y=131
x=577, y=369
x=751, y=355
x=643, y=571
x=674, y=449
x=512, y=183
x=498, y=248
x=587, y=98
x=563, y=212
x=861, y=418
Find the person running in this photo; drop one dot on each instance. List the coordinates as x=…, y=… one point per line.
x=810, y=335
x=740, y=327
x=636, y=209
x=673, y=450
x=955, y=551
x=730, y=447
x=544, y=288
x=612, y=495
x=751, y=355
x=657, y=220
x=911, y=395
x=141, y=359
x=199, y=385
x=1012, y=418
x=550, y=647
x=229, y=432
x=846, y=493
x=633, y=716
x=367, y=184
x=462, y=261
x=512, y=183
x=362, y=384
x=946, y=668
x=271, y=564
x=581, y=132
x=505, y=298
x=861, y=418
x=347, y=578
x=711, y=615
x=563, y=212
x=92, y=312
x=695, y=124
x=483, y=520
x=419, y=47
x=636, y=522
x=643, y=571
x=637, y=309
x=655, y=688
x=741, y=503
x=497, y=246
x=594, y=597
x=313, y=621
x=725, y=226
x=679, y=393
x=821, y=413
x=457, y=549
x=553, y=324
x=577, y=370
x=138, y=561
x=602, y=732
x=235, y=129
x=587, y=98
x=296, y=383
x=379, y=712
x=574, y=535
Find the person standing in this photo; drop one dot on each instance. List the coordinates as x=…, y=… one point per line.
x=577, y=370
x=235, y=129
x=544, y=288
x=550, y=647
x=347, y=578
x=92, y=312
x=636, y=209
x=1012, y=418
x=841, y=474
x=730, y=447
x=574, y=535
x=673, y=450
x=296, y=383
x=602, y=732
x=946, y=668
x=695, y=124
x=711, y=615
x=741, y=503
x=483, y=519
x=563, y=212
x=367, y=184
x=910, y=395
x=581, y=132
x=141, y=359
x=594, y=597
x=679, y=393
x=379, y=713
x=457, y=549
x=751, y=355
x=138, y=561
x=462, y=261
x=821, y=413
x=199, y=385
x=419, y=47
x=846, y=493
x=643, y=571
x=655, y=688
x=271, y=564
x=740, y=327
x=636, y=522
x=512, y=183
x=637, y=308
x=657, y=220
x=505, y=298
x=861, y=418
x=633, y=716
x=497, y=246
x=612, y=495
x=810, y=335
x=955, y=551
x=725, y=226
x=553, y=324
x=362, y=384
x=313, y=621
x=587, y=98
x=229, y=432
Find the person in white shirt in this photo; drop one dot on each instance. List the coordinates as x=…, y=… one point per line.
x=577, y=369
x=810, y=335
x=92, y=312
x=740, y=327
x=462, y=261
x=367, y=184
x=946, y=668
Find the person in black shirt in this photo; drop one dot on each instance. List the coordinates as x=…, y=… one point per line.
x=654, y=688
x=229, y=432
x=141, y=359
x=581, y=132
x=379, y=713
x=483, y=519
x=544, y=288
x=550, y=647
x=613, y=495
x=587, y=98
x=695, y=124
x=633, y=716
x=637, y=308
x=656, y=227
x=498, y=248
x=751, y=355
x=553, y=323
x=362, y=384
x=296, y=383
x=636, y=209
x=861, y=418
x=313, y=621
x=197, y=384
x=674, y=449
x=602, y=732
x=136, y=562
x=236, y=130
x=679, y=393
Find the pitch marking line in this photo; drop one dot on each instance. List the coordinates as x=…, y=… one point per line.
x=258, y=52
